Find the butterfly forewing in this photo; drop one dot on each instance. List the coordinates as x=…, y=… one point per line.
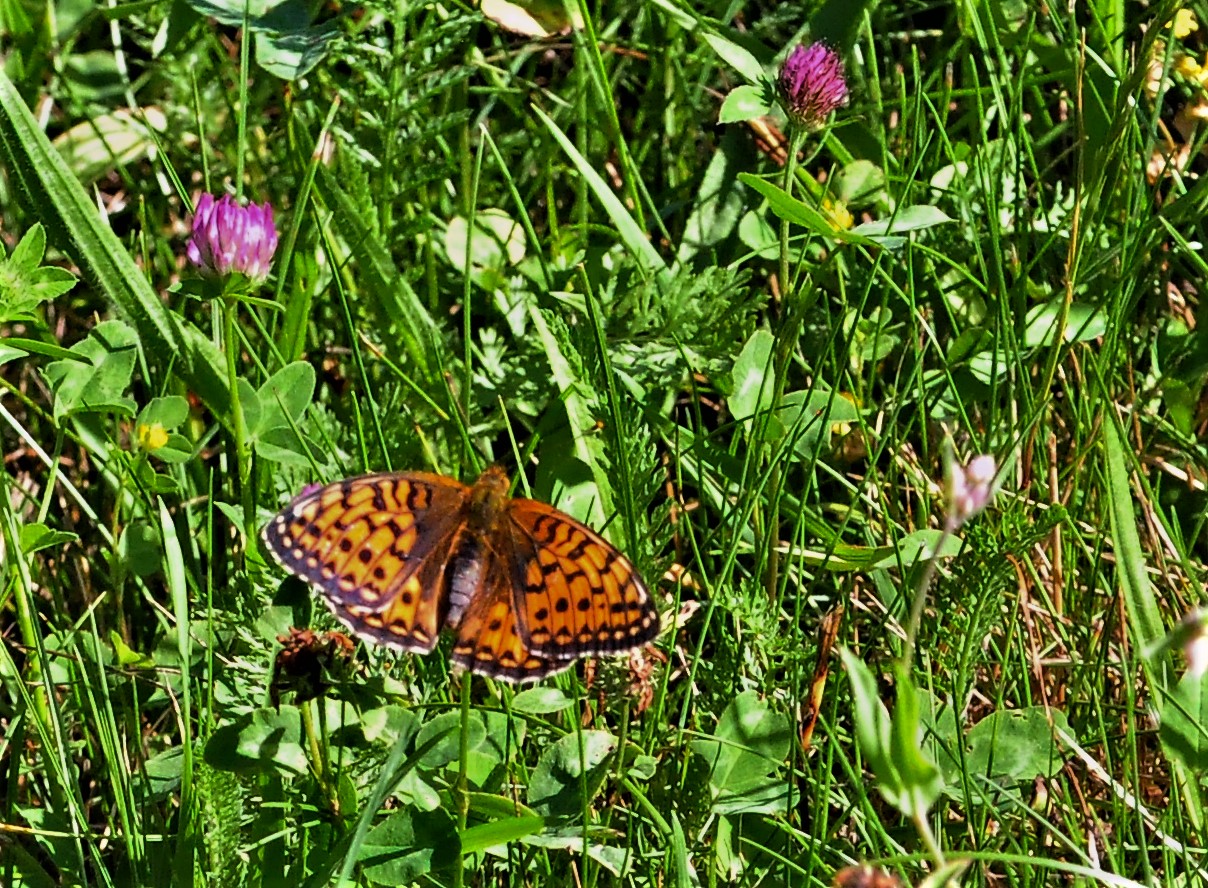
x=377, y=547
x=576, y=595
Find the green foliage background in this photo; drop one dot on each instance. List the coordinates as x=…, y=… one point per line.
x=568, y=255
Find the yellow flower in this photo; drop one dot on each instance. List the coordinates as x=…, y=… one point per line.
x=1184, y=23
x=151, y=437
x=1188, y=67
x=837, y=213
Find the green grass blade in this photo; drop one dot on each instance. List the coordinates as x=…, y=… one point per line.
x=630, y=232
x=1144, y=616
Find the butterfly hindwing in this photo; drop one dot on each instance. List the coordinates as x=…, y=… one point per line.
x=377, y=548
x=575, y=594
x=488, y=638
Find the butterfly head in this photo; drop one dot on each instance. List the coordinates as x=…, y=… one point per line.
x=489, y=497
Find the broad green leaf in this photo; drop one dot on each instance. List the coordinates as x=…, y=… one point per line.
x=808, y=418
x=556, y=787
x=24, y=282
x=905, y=220
x=493, y=737
x=163, y=772
x=1016, y=745
x=738, y=58
x=262, y=16
x=140, y=548
x=586, y=446
x=616, y=860
x=719, y=200
x=152, y=429
x=920, y=545
x=126, y=656
x=750, y=742
x=499, y=832
x=745, y=102
x=266, y=741
x=1184, y=722
x=274, y=737
x=20, y=347
x=1145, y=624
x=757, y=233
x=169, y=412
x=283, y=445
x=389, y=724
x=534, y=18
x=497, y=241
x=769, y=795
x=250, y=402
x=489, y=806
x=293, y=53
x=541, y=701
x=920, y=778
x=409, y=844
x=98, y=384
x=752, y=383
x=859, y=183
x=872, y=723
x=36, y=536
x=788, y=207
x=1084, y=323
x=284, y=397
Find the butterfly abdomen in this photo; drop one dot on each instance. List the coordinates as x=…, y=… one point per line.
x=465, y=577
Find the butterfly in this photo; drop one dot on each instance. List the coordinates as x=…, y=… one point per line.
x=526, y=588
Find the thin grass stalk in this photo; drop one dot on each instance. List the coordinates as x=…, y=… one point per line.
x=785, y=342
x=461, y=793
x=245, y=52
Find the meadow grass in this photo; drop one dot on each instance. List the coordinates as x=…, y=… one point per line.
x=746, y=352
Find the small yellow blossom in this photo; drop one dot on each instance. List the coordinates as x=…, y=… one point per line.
x=1184, y=23
x=151, y=437
x=837, y=213
x=1187, y=66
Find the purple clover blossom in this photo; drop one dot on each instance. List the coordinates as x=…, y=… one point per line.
x=812, y=84
x=970, y=488
x=229, y=238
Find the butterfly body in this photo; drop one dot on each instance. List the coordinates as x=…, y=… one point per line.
x=527, y=589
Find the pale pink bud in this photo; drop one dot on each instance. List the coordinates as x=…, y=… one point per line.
x=970, y=488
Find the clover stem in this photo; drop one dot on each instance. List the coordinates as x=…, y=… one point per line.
x=791, y=316
x=243, y=456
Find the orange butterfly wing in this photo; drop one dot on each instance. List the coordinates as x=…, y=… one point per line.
x=574, y=594
x=377, y=547
x=488, y=638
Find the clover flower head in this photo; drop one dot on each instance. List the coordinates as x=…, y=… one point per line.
x=811, y=84
x=970, y=488
x=230, y=238
x=1192, y=633
x=1196, y=651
